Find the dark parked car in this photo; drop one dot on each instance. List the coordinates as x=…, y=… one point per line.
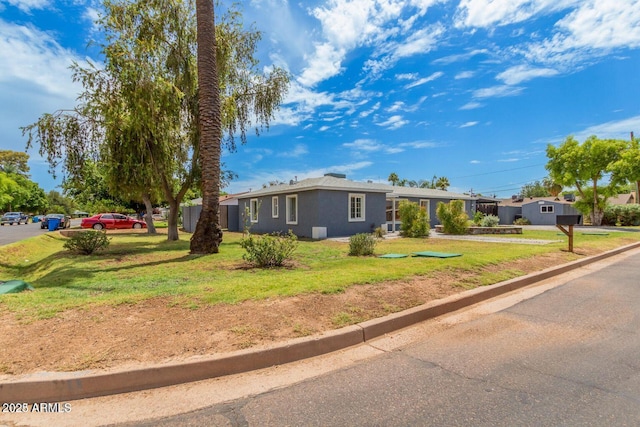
x=65, y=220
x=111, y=221
x=14, y=217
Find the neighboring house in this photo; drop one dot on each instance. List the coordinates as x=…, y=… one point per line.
x=538, y=210
x=332, y=206
x=622, y=199
x=228, y=213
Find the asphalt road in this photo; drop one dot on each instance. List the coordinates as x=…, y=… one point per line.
x=569, y=356
x=13, y=233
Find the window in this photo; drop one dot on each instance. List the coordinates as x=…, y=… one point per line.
x=292, y=209
x=546, y=209
x=253, y=210
x=274, y=207
x=424, y=204
x=356, y=207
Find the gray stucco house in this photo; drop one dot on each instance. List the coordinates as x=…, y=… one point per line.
x=333, y=206
x=538, y=210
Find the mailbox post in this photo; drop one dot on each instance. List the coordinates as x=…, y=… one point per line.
x=570, y=221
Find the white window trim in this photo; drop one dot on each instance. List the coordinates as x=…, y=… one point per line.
x=427, y=203
x=275, y=210
x=288, y=211
x=253, y=213
x=363, y=212
x=549, y=209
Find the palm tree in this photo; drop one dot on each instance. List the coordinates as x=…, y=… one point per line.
x=207, y=236
x=442, y=183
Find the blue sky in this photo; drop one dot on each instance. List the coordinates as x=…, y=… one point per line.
x=473, y=90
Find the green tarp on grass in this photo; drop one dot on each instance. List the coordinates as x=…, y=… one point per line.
x=435, y=254
x=14, y=286
x=393, y=256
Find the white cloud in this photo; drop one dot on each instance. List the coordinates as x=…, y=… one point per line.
x=460, y=57
x=323, y=64
x=348, y=24
x=418, y=43
x=486, y=13
x=363, y=145
x=34, y=58
x=497, y=91
x=370, y=111
x=475, y=162
x=28, y=5
x=593, y=29
x=407, y=76
x=464, y=75
x=394, y=122
x=298, y=150
x=418, y=144
x=617, y=129
x=259, y=178
x=521, y=73
x=471, y=106
x=424, y=80
x=468, y=124
x=396, y=106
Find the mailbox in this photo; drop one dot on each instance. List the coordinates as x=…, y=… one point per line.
x=568, y=219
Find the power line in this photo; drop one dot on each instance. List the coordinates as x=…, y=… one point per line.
x=504, y=170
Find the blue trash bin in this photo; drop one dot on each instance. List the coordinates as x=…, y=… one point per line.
x=54, y=223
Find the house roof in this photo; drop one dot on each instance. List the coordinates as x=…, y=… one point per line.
x=528, y=200
x=622, y=199
x=329, y=182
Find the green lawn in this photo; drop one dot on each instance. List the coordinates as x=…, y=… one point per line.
x=139, y=266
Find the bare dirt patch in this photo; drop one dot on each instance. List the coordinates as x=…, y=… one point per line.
x=158, y=330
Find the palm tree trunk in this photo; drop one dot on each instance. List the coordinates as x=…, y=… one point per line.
x=208, y=235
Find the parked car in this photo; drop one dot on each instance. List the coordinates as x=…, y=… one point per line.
x=111, y=221
x=65, y=220
x=14, y=217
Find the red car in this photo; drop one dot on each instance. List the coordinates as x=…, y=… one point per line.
x=111, y=221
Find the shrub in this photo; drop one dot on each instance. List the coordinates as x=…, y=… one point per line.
x=379, y=232
x=622, y=215
x=362, y=244
x=87, y=242
x=477, y=218
x=522, y=221
x=490, y=221
x=269, y=250
x=453, y=217
x=415, y=221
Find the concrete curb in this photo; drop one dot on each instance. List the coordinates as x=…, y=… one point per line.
x=60, y=387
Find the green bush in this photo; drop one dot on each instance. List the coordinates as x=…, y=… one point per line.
x=452, y=216
x=490, y=221
x=477, y=218
x=269, y=250
x=87, y=242
x=522, y=221
x=415, y=221
x=628, y=215
x=362, y=244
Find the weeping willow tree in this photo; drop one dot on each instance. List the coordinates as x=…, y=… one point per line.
x=138, y=114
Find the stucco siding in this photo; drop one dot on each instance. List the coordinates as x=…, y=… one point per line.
x=534, y=212
x=316, y=208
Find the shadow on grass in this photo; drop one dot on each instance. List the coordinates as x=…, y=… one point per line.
x=50, y=276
